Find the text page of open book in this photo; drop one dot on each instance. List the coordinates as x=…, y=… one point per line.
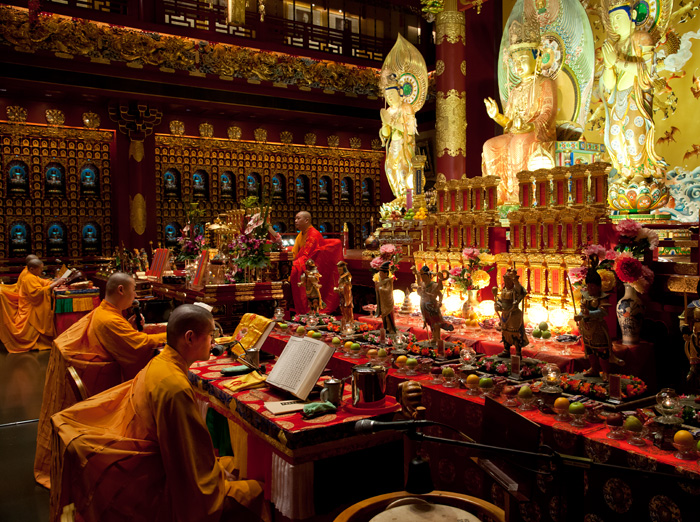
x=300, y=365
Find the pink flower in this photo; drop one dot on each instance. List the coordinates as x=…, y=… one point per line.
x=376, y=262
x=254, y=223
x=611, y=255
x=470, y=253
x=456, y=271
x=577, y=274
x=597, y=250
x=387, y=250
x=627, y=268
x=628, y=227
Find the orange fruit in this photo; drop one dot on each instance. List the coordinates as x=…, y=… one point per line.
x=372, y=352
x=473, y=379
x=348, y=344
x=401, y=359
x=684, y=438
x=562, y=403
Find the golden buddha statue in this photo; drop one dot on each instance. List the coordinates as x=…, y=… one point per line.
x=404, y=81
x=627, y=90
x=529, y=116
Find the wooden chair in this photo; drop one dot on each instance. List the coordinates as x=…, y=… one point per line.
x=366, y=509
x=76, y=384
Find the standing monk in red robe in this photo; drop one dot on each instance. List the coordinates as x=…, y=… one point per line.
x=326, y=253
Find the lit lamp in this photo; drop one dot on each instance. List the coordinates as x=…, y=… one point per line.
x=559, y=317
x=399, y=296
x=415, y=300
x=486, y=308
x=668, y=405
x=537, y=314
x=468, y=356
x=551, y=377
x=452, y=304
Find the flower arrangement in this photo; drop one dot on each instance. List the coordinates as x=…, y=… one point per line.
x=499, y=367
x=450, y=351
x=189, y=248
x=634, y=238
x=250, y=248
x=375, y=339
x=606, y=260
x=631, y=387
x=630, y=270
x=474, y=274
x=387, y=252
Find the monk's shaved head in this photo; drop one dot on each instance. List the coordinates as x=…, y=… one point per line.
x=116, y=280
x=30, y=257
x=35, y=263
x=187, y=317
x=302, y=221
x=304, y=214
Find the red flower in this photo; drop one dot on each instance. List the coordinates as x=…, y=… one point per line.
x=627, y=268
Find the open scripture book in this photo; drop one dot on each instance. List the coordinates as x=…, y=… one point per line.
x=300, y=365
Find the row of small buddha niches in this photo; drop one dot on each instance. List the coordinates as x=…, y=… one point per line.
x=56, y=183
x=337, y=186
x=57, y=191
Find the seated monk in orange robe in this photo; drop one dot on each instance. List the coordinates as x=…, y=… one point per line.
x=26, y=317
x=104, y=349
x=15, y=286
x=141, y=450
x=326, y=253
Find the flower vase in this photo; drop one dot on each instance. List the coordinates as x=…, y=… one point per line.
x=469, y=304
x=630, y=314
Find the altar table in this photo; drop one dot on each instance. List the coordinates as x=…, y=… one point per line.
x=453, y=469
x=70, y=308
x=291, y=455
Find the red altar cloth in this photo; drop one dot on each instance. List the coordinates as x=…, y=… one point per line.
x=63, y=321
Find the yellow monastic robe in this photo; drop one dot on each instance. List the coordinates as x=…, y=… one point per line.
x=105, y=351
x=26, y=318
x=141, y=452
x=14, y=287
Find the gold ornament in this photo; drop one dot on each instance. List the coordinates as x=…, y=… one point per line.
x=451, y=124
x=260, y=135
x=310, y=139
x=55, y=117
x=333, y=141
x=91, y=120
x=355, y=142
x=450, y=26
x=137, y=213
x=463, y=67
x=286, y=137
x=177, y=128
x=439, y=67
x=234, y=133
x=206, y=130
x=376, y=144
x=17, y=114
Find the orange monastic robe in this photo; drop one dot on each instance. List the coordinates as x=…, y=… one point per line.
x=326, y=253
x=14, y=287
x=141, y=452
x=26, y=317
x=105, y=350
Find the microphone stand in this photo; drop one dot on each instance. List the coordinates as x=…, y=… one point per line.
x=556, y=457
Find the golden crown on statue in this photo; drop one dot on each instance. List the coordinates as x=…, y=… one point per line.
x=616, y=4
x=523, y=35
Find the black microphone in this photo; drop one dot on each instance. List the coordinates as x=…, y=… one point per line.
x=137, y=315
x=371, y=426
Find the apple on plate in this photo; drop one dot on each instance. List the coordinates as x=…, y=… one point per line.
x=537, y=333
x=546, y=334
x=372, y=353
x=335, y=340
x=577, y=408
x=614, y=419
x=355, y=347
x=525, y=392
x=543, y=326
x=381, y=352
x=411, y=362
x=317, y=335
x=283, y=326
x=301, y=330
x=486, y=382
x=633, y=424
x=448, y=372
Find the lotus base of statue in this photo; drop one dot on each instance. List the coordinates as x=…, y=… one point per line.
x=637, y=198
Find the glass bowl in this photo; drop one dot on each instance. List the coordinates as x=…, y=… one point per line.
x=616, y=433
x=685, y=451
x=473, y=389
x=450, y=382
x=636, y=438
x=436, y=375
x=578, y=419
x=562, y=414
x=527, y=403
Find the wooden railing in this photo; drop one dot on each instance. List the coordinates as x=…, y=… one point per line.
x=206, y=19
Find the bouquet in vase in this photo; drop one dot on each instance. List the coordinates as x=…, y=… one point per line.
x=474, y=272
x=387, y=252
x=189, y=248
x=251, y=248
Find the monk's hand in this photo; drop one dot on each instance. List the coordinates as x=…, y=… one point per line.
x=132, y=321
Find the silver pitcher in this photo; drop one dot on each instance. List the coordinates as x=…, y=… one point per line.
x=333, y=391
x=368, y=386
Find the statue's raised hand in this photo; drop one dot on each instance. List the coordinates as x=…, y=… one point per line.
x=491, y=107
